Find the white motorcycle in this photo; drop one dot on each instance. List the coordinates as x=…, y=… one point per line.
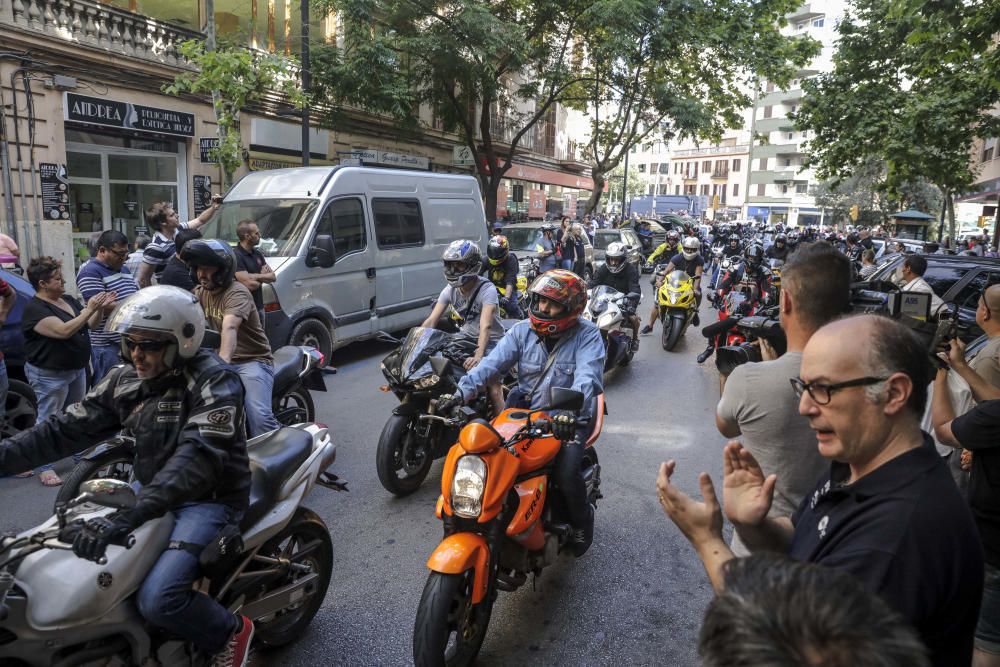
x=57, y=609
x=608, y=309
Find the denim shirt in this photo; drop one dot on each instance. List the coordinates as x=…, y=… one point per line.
x=579, y=364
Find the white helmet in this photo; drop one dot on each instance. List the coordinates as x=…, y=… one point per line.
x=690, y=247
x=165, y=312
x=615, y=257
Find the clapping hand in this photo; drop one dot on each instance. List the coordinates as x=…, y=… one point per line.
x=102, y=300
x=699, y=521
x=746, y=493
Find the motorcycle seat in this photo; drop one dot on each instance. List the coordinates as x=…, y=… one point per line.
x=273, y=458
x=287, y=366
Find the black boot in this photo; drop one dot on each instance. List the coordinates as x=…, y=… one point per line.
x=706, y=354
x=582, y=537
x=696, y=320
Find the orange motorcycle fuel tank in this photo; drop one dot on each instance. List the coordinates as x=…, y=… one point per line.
x=526, y=527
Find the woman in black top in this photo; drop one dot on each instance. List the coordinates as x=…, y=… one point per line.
x=57, y=343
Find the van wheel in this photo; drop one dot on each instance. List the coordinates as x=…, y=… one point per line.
x=21, y=409
x=313, y=333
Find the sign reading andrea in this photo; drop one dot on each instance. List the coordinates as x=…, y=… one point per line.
x=110, y=113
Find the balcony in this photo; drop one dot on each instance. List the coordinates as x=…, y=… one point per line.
x=720, y=174
x=101, y=27
x=772, y=176
x=773, y=150
x=805, y=12
x=768, y=125
x=780, y=97
x=711, y=150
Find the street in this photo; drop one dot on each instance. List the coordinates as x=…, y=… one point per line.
x=638, y=595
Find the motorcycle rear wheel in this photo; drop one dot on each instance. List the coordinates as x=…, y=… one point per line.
x=306, y=540
x=449, y=629
x=295, y=407
x=115, y=463
x=389, y=457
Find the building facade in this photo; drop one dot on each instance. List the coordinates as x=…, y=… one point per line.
x=92, y=141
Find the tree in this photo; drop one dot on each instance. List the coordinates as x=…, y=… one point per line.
x=670, y=68
x=489, y=69
x=913, y=85
x=615, y=179
x=235, y=77
x=866, y=188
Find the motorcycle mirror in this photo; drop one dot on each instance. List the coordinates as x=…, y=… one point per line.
x=109, y=493
x=440, y=365
x=561, y=398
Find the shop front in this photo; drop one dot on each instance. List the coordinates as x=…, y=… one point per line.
x=534, y=193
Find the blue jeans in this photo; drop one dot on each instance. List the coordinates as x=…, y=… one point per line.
x=55, y=391
x=4, y=388
x=166, y=599
x=102, y=358
x=258, y=385
x=567, y=264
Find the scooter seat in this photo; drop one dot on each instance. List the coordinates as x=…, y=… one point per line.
x=287, y=366
x=273, y=458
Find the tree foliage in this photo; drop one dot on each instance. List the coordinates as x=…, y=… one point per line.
x=235, y=77
x=913, y=85
x=866, y=188
x=673, y=68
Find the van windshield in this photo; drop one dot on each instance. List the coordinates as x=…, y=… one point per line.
x=283, y=223
x=522, y=238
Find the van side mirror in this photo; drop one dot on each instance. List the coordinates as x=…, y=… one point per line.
x=321, y=252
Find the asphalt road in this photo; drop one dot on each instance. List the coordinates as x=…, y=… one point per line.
x=636, y=598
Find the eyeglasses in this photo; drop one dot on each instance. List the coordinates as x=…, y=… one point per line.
x=118, y=253
x=821, y=393
x=146, y=345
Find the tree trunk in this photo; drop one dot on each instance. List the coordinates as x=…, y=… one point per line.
x=950, y=203
x=490, y=203
x=596, y=193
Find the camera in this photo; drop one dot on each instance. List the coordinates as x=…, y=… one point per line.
x=754, y=327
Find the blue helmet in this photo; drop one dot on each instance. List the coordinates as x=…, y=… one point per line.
x=462, y=262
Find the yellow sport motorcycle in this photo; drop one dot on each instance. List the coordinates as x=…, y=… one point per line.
x=677, y=304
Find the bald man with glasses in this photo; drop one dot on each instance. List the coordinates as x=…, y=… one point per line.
x=886, y=511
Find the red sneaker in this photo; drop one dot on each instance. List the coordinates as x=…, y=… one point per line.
x=237, y=651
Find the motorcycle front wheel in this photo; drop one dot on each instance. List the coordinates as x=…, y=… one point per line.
x=449, y=629
x=401, y=462
x=304, y=542
x=673, y=327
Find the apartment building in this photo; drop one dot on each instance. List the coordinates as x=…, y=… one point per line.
x=780, y=189
x=93, y=140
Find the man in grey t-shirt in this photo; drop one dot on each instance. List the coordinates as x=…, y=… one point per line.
x=757, y=399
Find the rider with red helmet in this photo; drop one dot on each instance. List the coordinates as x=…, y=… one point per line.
x=552, y=348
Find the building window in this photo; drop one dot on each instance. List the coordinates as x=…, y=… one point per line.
x=790, y=136
x=664, y=168
x=397, y=222
x=768, y=111
x=723, y=193
x=706, y=166
x=801, y=25
x=721, y=169
x=763, y=163
x=788, y=162
x=761, y=190
x=677, y=189
x=652, y=189
x=989, y=149
x=770, y=86
x=736, y=164
x=704, y=190
x=642, y=168
x=736, y=189
x=664, y=189
x=653, y=168
x=818, y=23
x=801, y=187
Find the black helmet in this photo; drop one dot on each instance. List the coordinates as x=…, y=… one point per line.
x=734, y=241
x=211, y=252
x=780, y=240
x=498, y=250
x=754, y=254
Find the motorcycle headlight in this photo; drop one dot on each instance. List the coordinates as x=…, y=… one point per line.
x=468, y=486
x=599, y=307
x=427, y=382
x=673, y=298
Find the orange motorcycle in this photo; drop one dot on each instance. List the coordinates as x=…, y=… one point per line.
x=502, y=521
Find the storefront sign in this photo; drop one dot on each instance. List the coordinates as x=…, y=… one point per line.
x=401, y=160
x=55, y=190
x=202, y=194
x=111, y=113
x=536, y=203
x=536, y=175
x=205, y=146
x=263, y=164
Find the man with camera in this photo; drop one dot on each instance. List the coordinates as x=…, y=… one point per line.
x=756, y=403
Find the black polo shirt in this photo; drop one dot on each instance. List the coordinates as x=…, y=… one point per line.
x=252, y=262
x=905, y=532
x=979, y=431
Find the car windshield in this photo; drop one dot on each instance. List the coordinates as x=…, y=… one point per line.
x=283, y=223
x=602, y=241
x=523, y=238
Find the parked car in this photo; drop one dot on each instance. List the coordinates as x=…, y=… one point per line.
x=356, y=250
x=605, y=237
x=524, y=236
x=956, y=279
x=21, y=408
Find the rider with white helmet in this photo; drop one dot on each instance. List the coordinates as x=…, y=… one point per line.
x=620, y=274
x=690, y=261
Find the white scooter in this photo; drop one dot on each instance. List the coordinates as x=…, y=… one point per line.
x=57, y=609
x=607, y=308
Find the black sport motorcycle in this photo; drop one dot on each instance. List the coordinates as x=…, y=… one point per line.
x=409, y=443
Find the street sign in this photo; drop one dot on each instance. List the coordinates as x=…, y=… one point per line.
x=462, y=156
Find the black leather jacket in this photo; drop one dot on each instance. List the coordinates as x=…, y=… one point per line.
x=503, y=275
x=625, y=281
x=188, y=427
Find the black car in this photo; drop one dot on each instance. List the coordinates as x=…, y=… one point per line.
x=956, y=279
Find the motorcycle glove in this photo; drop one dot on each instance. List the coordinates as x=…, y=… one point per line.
x=95, y=536
x=447, y=403
x=563, y=425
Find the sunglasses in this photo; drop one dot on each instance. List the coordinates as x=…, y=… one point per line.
x=146, y=345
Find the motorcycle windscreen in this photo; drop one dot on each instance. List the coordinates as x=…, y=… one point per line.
x=600, y=296
x=415, y=353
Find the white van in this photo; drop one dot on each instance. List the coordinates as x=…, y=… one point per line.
x=356, y=249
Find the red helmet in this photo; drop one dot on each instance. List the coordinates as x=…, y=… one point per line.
x=563, y=287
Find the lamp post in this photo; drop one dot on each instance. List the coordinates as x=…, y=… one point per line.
x=306, y=79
